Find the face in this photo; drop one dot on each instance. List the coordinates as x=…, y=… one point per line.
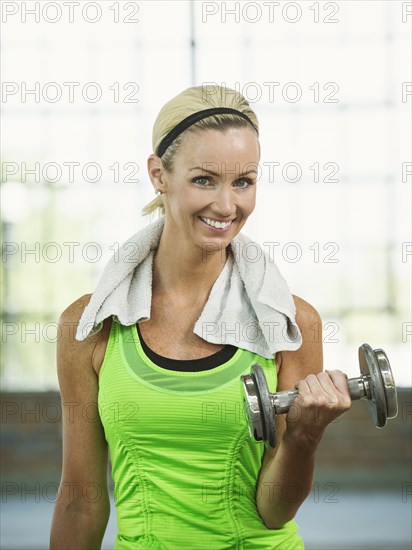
x=212, y=190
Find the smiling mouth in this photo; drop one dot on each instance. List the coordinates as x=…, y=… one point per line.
x=216, y=224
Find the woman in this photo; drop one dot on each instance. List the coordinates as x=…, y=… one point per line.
x=165, y=398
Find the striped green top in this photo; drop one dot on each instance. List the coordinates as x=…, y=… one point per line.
x=184, y=467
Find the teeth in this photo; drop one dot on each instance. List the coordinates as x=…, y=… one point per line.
x=218, y=225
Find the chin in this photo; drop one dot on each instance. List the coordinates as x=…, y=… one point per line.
x=216, y=244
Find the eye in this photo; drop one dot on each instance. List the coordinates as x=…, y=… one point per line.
x=244, y=183
x=202, y=181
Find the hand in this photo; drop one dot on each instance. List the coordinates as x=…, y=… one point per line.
x=322, y=398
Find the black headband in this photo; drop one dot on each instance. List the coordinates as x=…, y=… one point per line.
x=192, y=119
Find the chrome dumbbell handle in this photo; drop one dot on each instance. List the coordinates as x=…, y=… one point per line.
x=281, y=401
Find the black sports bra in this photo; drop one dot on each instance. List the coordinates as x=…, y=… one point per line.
x=189, y=365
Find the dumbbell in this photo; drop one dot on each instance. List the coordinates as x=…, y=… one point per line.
x=375, y=383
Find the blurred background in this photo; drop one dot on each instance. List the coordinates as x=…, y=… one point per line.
x=331, y=83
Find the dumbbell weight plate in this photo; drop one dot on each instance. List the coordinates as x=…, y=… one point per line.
x=258, y=406
x=388, y=383
x=382, y=400
x=251, y=405
x=266, y=406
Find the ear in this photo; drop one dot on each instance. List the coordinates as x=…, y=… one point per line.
x=156, y=172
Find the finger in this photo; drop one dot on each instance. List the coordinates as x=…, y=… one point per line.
x=321, y=384
x=303, y=387
x=324, y=391
x=340, y=381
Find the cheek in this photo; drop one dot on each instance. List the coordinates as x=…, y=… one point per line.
x=249, y=202
x=183, y=202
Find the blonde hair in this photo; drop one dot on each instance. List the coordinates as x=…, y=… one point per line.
x=192, y=100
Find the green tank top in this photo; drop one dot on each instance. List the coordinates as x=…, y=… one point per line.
x=184, y=467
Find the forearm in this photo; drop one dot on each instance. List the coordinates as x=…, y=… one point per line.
x=285, y=483
x=75, y=528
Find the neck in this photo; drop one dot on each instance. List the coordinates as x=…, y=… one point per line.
x=186, y=271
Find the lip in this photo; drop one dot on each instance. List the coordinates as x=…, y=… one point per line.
x=218, y=229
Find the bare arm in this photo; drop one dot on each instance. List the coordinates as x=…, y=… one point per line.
x=287, y=472
x=82, y=507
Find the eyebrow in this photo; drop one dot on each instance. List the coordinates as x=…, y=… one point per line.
x=216, y=174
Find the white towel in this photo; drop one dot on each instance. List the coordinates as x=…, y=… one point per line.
x=249, y=306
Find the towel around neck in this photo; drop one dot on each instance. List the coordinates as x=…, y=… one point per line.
x=249, y=306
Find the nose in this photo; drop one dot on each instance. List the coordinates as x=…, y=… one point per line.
x=225, y=201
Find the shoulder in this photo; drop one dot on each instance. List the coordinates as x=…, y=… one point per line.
x=69, y=320
x=306, y=314
x=74, y=311
x=88, y=350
